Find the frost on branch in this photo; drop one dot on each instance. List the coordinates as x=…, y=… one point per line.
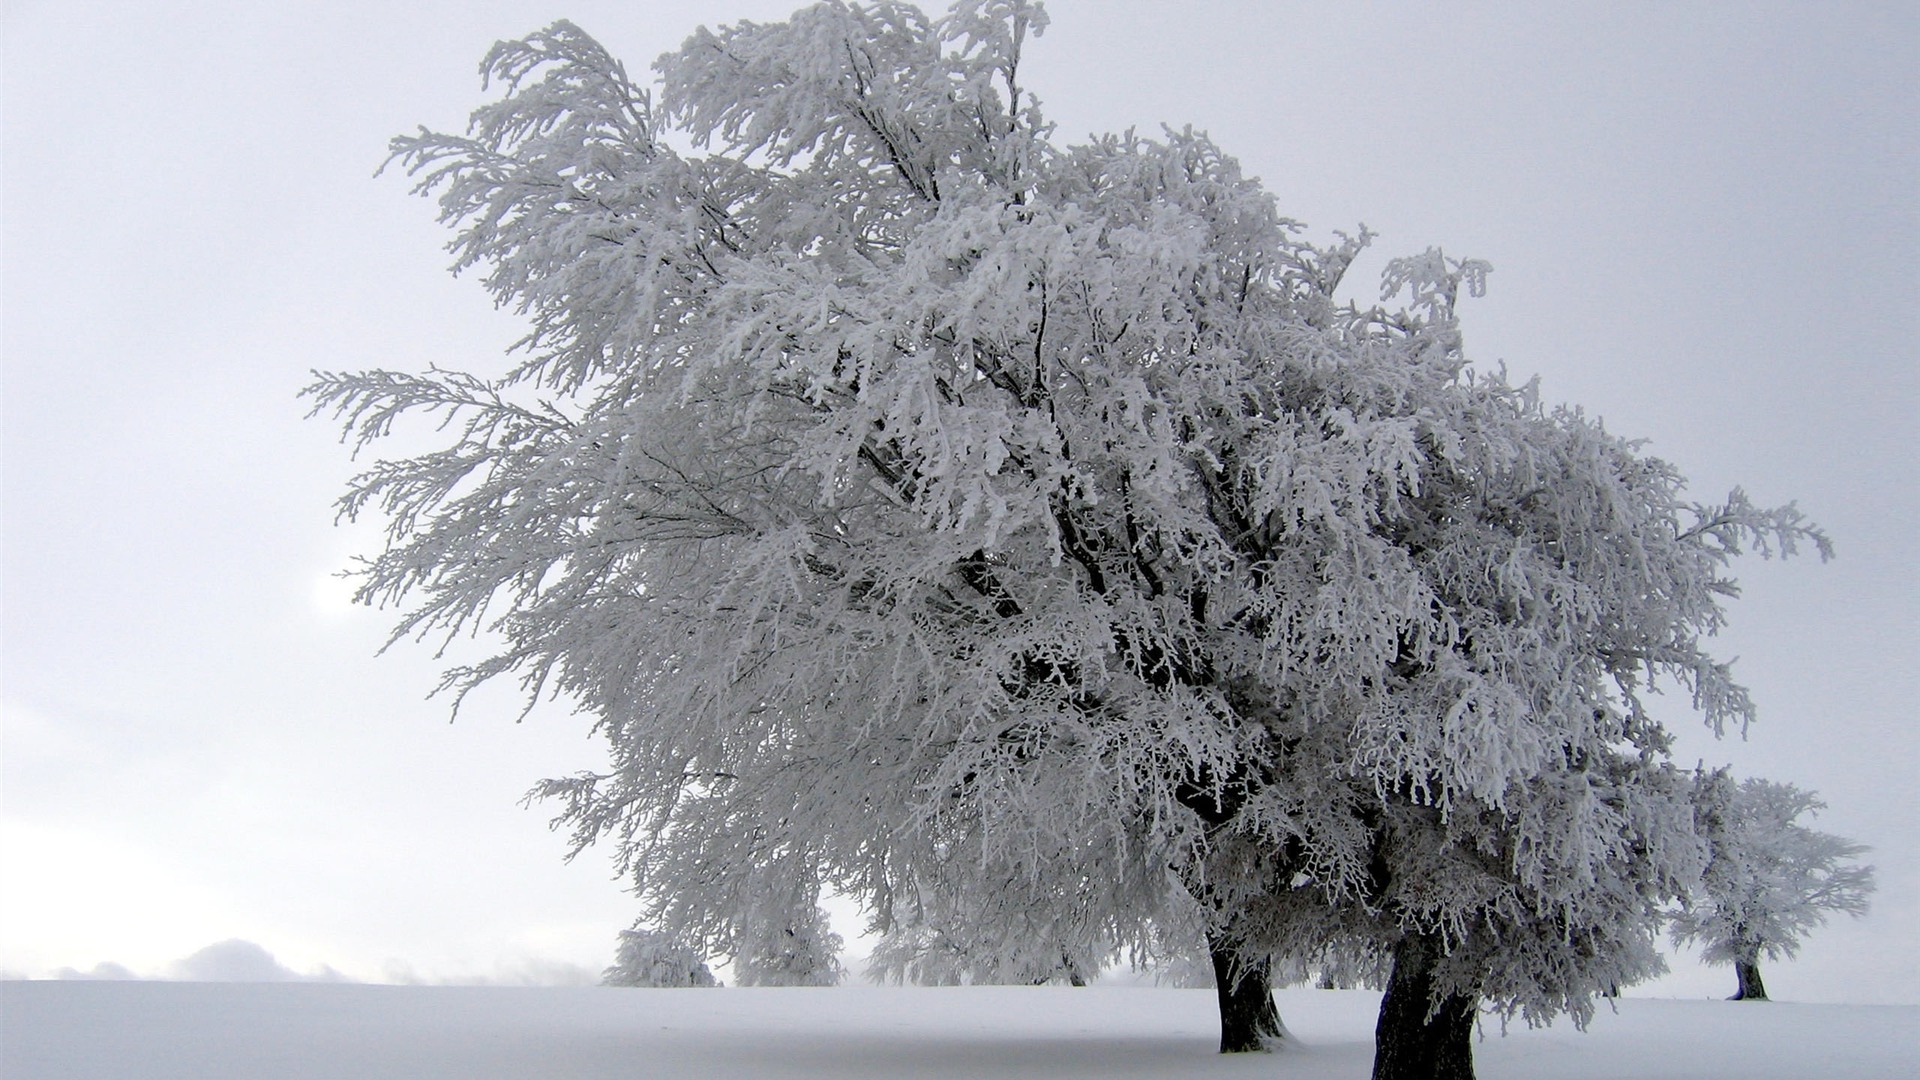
x=1022, y=539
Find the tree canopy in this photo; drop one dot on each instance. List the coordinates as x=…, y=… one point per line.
x=977, y=525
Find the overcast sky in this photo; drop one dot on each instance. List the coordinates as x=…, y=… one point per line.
x=1704, y=224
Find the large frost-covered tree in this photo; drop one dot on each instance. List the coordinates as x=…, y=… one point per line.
x=956, y=520
x=1771, y=878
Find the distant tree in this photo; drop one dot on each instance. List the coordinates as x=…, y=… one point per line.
x=650, y=958
x=1771, y=879
x=1011, y=933
x=924, y=509
x=799, y=949
x=929, y=957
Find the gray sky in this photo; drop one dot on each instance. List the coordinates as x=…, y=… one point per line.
x=1704, y=226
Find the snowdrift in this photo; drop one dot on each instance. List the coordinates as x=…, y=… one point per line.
x=227, y=1031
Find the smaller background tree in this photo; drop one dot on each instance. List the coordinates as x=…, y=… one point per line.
x=652, y=958
x=797, y=950
x=1769, y=879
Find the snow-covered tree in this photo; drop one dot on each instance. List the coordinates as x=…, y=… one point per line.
x=987, y=930
x=926, y=509
x=798, y=950
x=648, y=957
x=1771, y=878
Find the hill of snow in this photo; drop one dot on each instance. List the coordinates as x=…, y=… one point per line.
x=229, y=1031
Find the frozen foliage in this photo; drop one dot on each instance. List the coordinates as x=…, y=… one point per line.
x=651, y=958
x=1026, y=540
x=1771, y=879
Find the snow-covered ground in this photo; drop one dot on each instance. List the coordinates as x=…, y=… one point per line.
x=226, y=1031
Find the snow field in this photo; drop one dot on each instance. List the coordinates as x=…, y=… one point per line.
x=228, y=1031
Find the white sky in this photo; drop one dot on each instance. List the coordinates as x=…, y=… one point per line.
x=1705, y=226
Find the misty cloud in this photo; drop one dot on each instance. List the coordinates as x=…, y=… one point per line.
x=524, y=971
x=238, y=960
x=533, y=971
x=105, y=970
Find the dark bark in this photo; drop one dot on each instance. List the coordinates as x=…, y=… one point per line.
x=1414, y=1040
x=1067, y=970
x=1248, y=1019
x=1751, y=988
x=1074, y=978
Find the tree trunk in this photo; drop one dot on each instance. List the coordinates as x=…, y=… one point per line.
x=1248, y=1019
x=1751, y=988
x=1413, y=1040
x=1074, y=978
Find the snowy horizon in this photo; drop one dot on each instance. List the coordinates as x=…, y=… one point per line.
x=56, y=1031
x=236, y=960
